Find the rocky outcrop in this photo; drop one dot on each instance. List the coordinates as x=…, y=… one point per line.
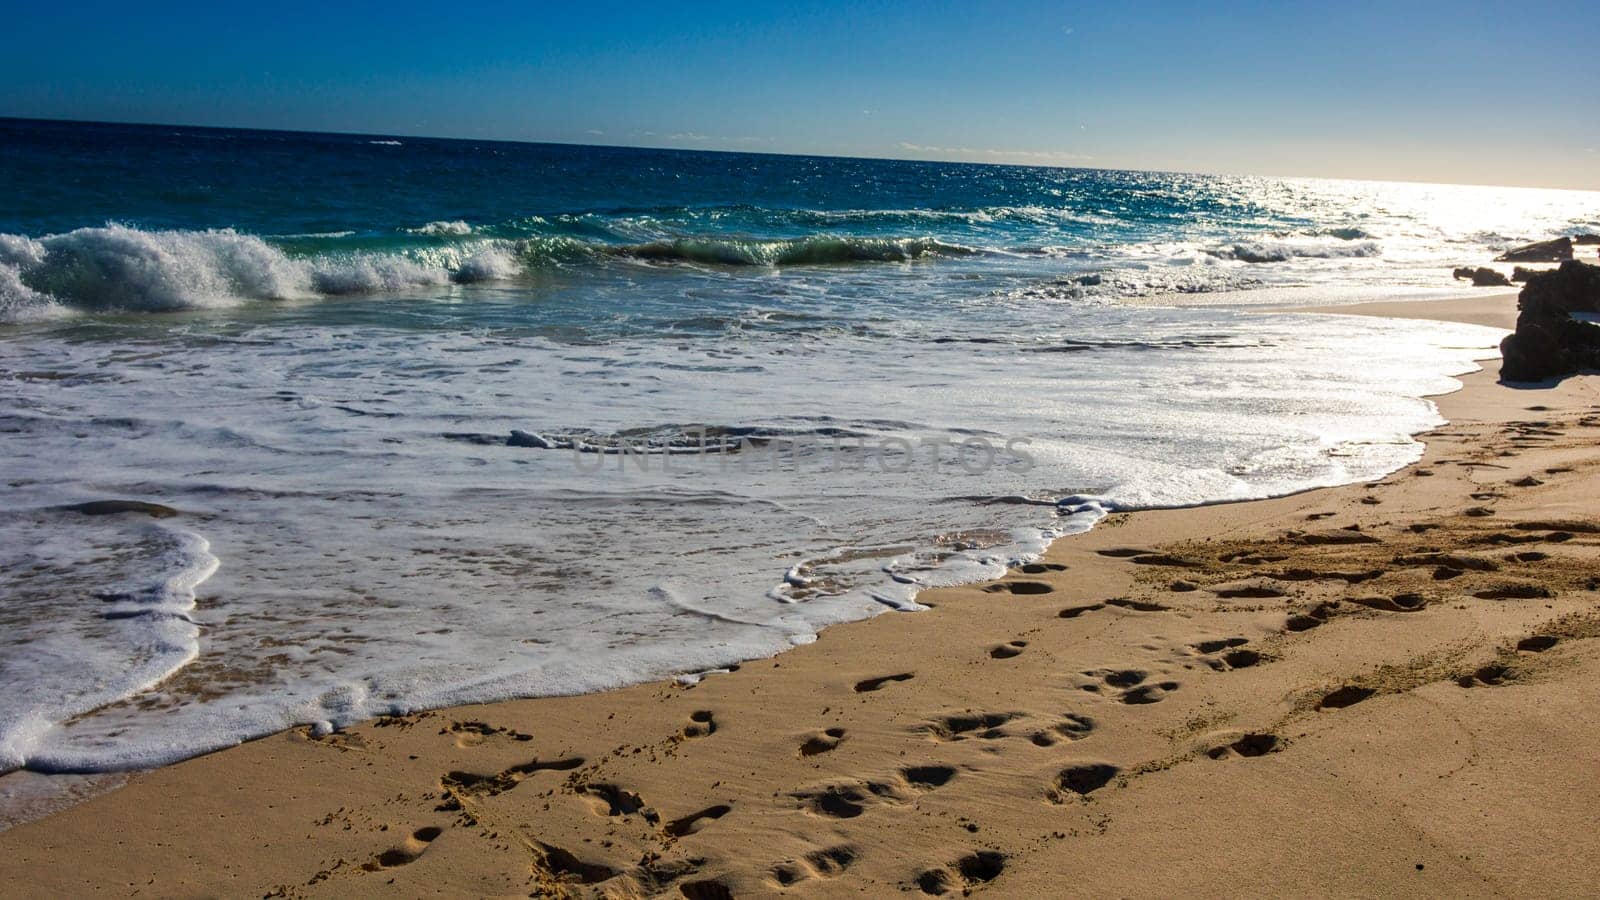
x=1586, y=239
x=1549, y=342
x=1520, y=274
x=1542, y=251
x=1482, y=276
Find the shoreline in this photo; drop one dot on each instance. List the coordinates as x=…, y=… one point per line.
x=1011, y=735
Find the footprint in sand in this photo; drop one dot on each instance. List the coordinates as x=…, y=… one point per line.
x=476, y=734
x=1219, y=644
x=1072, y=612
x=1312, y=618
x=701, y=724
x=1457, y=561
x=828, y=862
x=1336, y=537
x=1399, y=602
x=563, y=865
x=1487, y=676
x=1255, y=589
x=927, y=777
x=869, y=685
x=1038, y=568
x=1537, y=643
x=846, y=800
x=1136, y=605
x=838, y=802
x=822, y=742
x=1019, y=588
x=1168, y=560
x=1072, y=727
x=1248, y=745
x=705, y=890
x=1009, y=650
x=694, y=821
x=458, y=785
x=960, y=726
x=614, y=802
x=1133, y=686
x=1080, y=781
x=966, y=873
x=1233, y=655
x=1348, y=695
x=408, y=851
x=831, y=861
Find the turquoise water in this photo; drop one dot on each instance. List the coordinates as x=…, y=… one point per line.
x=605, y=242
x=448, y=421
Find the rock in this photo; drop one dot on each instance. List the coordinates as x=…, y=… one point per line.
x=1482, y=276
x=1520, y=274
x=1548, y=342
x=1541, y=251
x=1587, y=239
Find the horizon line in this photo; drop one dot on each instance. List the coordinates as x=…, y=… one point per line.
x=838, y=156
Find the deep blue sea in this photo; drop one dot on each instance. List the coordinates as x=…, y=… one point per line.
x=440, y=421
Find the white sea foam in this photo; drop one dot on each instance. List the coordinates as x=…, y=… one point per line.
x=456, y=228
x=386, y=547
x=495, y=263
x=1284, y=250
x=126, y=638
x=121, y=268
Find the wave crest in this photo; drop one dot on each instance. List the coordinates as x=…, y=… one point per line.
x=792, y=252
x=117, y=267
x=1283, y=251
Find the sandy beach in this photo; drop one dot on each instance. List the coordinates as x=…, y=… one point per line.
x=1383, y=689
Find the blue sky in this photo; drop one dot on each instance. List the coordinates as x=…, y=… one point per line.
x=1417, y=91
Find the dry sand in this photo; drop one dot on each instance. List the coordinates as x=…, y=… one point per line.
x=1384, y=689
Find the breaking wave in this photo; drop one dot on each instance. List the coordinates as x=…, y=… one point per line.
x=1283, y=251
x=797, y=251
x=119, y=268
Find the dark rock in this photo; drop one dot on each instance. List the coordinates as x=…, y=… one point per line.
x=1482, y=276
x=1520, y=274
x=1541, y=251
x=1548, y=342
x=1586, y=239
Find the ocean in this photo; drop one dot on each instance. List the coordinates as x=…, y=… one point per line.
x=424, y=422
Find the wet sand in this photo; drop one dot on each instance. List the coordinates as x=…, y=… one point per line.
x=1380, y=689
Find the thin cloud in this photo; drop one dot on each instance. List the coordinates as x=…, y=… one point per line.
x=1037, y=156
x=695, y=137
